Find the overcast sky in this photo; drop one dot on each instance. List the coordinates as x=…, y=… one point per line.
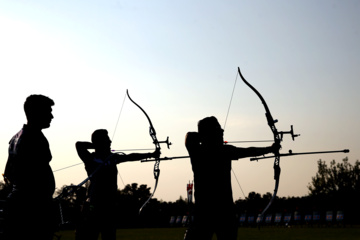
x=179, y=62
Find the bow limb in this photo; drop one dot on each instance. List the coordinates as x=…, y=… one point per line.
x=277, y=140
x=152, y=133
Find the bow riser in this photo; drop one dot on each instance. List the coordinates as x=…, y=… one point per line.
x=277, y=140
x=152, y=134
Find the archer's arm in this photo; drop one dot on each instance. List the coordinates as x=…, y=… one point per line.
x=192, y=141
x=135, y=156
x=256, y=151
x=82, y=149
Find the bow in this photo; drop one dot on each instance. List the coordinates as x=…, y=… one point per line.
x=278, y=136
x=152, y=133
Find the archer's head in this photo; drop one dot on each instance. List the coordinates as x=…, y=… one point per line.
x=210, y=132
x=38, y=111
x=100, y=139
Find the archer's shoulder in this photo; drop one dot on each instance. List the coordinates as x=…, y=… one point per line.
x=192, y=139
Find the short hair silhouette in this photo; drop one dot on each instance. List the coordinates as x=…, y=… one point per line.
x=35, y=104
x=98, y=136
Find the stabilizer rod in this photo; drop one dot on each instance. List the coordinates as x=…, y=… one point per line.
x=302, y=153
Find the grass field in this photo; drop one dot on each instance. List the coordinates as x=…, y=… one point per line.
x=266, y=233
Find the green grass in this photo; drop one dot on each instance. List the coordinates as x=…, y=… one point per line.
x=265, y=233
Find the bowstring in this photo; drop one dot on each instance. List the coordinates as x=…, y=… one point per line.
x=113, y=136
x=117, y=122
x=231, y=98
x=226, y=118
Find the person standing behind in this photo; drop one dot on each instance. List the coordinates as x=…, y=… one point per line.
x=211, y=164
x=101, y=167
x=29, y=210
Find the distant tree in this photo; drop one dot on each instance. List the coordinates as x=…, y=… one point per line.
x=72, y=193
x=338, y=178
x=180, y=207
x=139, y=194
x=130, y=199
x=336, y=187
x=253, y=196
x=70, y=199
x=254, y=203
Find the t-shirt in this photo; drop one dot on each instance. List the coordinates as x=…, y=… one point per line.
x=103, y=184
x=212, y=176
x=28, y=166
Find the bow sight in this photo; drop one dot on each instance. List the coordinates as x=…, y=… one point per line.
x=291, y=132
x=167, y=142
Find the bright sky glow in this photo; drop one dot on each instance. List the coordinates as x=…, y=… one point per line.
x=179, y=61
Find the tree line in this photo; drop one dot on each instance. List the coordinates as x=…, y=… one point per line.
x=334, y=187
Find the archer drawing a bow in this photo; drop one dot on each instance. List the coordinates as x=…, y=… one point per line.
x=278, y=137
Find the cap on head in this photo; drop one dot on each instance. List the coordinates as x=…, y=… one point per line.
x=208, y=124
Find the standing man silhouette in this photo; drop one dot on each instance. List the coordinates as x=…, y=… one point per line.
x=211, y=164
x=29, y=211
x=101, y=166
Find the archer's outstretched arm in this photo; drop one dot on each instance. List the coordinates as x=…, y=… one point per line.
x=256, y=151
x=135, y=156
